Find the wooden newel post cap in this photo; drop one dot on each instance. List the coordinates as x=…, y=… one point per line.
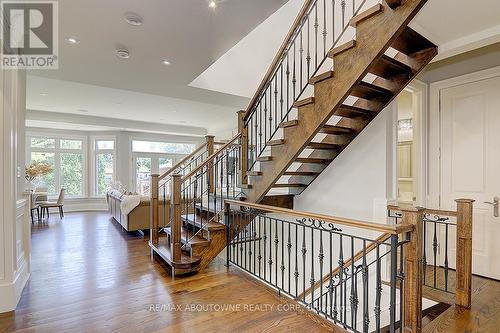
x=410, y=209
x=465, y=200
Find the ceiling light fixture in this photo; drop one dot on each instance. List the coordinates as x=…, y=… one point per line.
x=212, y=4
x=72, y=40
x=122, y=53
x=166, y=62
x=83, y=110
x=133, y=19
x=44, y=94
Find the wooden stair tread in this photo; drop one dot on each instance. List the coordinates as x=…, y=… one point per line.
x=368, y=91
x=341, y=48
x=336, y=130
x=187, y=234
x=264, y=158
x=349, y=111
x=300, y=173
x=410, y=42
x=288, y=185
x=393, y=3
x=199, y=220
x=372, y=11
x=254, y=173
x=289, y=123
x=312, y=160
x=303, y=102
x=388, y=67
x=276, y=142
x=323, y=146
x=321, y=77
x=163, y=250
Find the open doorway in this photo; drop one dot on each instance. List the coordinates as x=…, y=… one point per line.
x=407, y=189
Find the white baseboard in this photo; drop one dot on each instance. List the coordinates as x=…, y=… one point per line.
x=11, y=292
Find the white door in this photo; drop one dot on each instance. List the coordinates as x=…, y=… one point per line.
x=470, y=164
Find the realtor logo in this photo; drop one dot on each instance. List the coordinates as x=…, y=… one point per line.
x=29, y=34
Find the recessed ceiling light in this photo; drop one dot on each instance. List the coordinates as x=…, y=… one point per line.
x=133, y=19
x=212, y=4
x=72, y=40
x=122, y=53
x=44, y=94
x=83, y=110
x=166, y=62
x=182, y=122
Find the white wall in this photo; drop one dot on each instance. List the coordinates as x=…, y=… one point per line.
x=358, y=183
x=14, y=224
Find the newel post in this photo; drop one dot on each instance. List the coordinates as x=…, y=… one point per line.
x=244, y=146
x=464, y=252
x=154, y=223
x=176, y=225
x=210, y=150
x=413, y=269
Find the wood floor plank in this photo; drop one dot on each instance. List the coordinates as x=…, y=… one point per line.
x=88, y=275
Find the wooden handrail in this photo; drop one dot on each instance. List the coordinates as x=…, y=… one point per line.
x=211, y=157
x=172, y=169
x=278, y=55
x=385, y=228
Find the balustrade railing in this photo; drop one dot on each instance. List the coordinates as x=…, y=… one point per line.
x=320, y=26
x=314, y=259
x=447, y=249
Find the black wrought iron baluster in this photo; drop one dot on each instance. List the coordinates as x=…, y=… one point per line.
x=243, y=257
x=446, y=267
x=265, y=247
x=312, y=264
x=270, y=113
x=342, y=5
x=246, y=242
x=424, y=254
x=304, y=251
x=287, y=84
x=316, y=26
x=260, y=254
x=296, y=273
x=289, y=248
x=330, y=284
x=265, y=123
x=294, y=76
x=434, y=249
x=281, y=93
x=308, y=57
x=333, y=22
x=341, y=279
x=325, y=32
x=321, y=256
x=275, y=101
x=353, y=7
x=366, y=316
x=354, y=288
x=283, y=255
x=301, y=54
x=402, y=279
x=378, y=294
x=393, y=269
x=276, y=242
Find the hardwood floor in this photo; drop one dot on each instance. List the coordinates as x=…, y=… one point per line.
x=90, y=276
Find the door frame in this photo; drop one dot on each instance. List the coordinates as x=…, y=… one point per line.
x=419, y=90
x=434, y=129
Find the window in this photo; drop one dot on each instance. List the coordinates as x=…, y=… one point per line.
x=143, y=174
x=66, y=157
x=162, y=147
x=104, y=165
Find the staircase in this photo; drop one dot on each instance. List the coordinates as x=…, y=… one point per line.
x=368, y=73
x=286, y=139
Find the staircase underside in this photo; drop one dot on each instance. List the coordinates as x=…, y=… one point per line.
x=367, y=75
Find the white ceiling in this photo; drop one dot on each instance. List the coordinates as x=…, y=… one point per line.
x=186, y=32
x=193, y=37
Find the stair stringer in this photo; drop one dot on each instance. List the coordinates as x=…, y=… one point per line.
x=373, y=38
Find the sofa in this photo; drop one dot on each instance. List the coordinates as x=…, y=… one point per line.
x=139, y=217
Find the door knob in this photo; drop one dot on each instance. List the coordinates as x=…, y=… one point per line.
x=495, y=204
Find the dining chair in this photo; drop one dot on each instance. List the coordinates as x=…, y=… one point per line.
x=55, y=204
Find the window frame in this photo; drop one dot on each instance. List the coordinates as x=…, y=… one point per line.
x=94, y=153
x=57, y=150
